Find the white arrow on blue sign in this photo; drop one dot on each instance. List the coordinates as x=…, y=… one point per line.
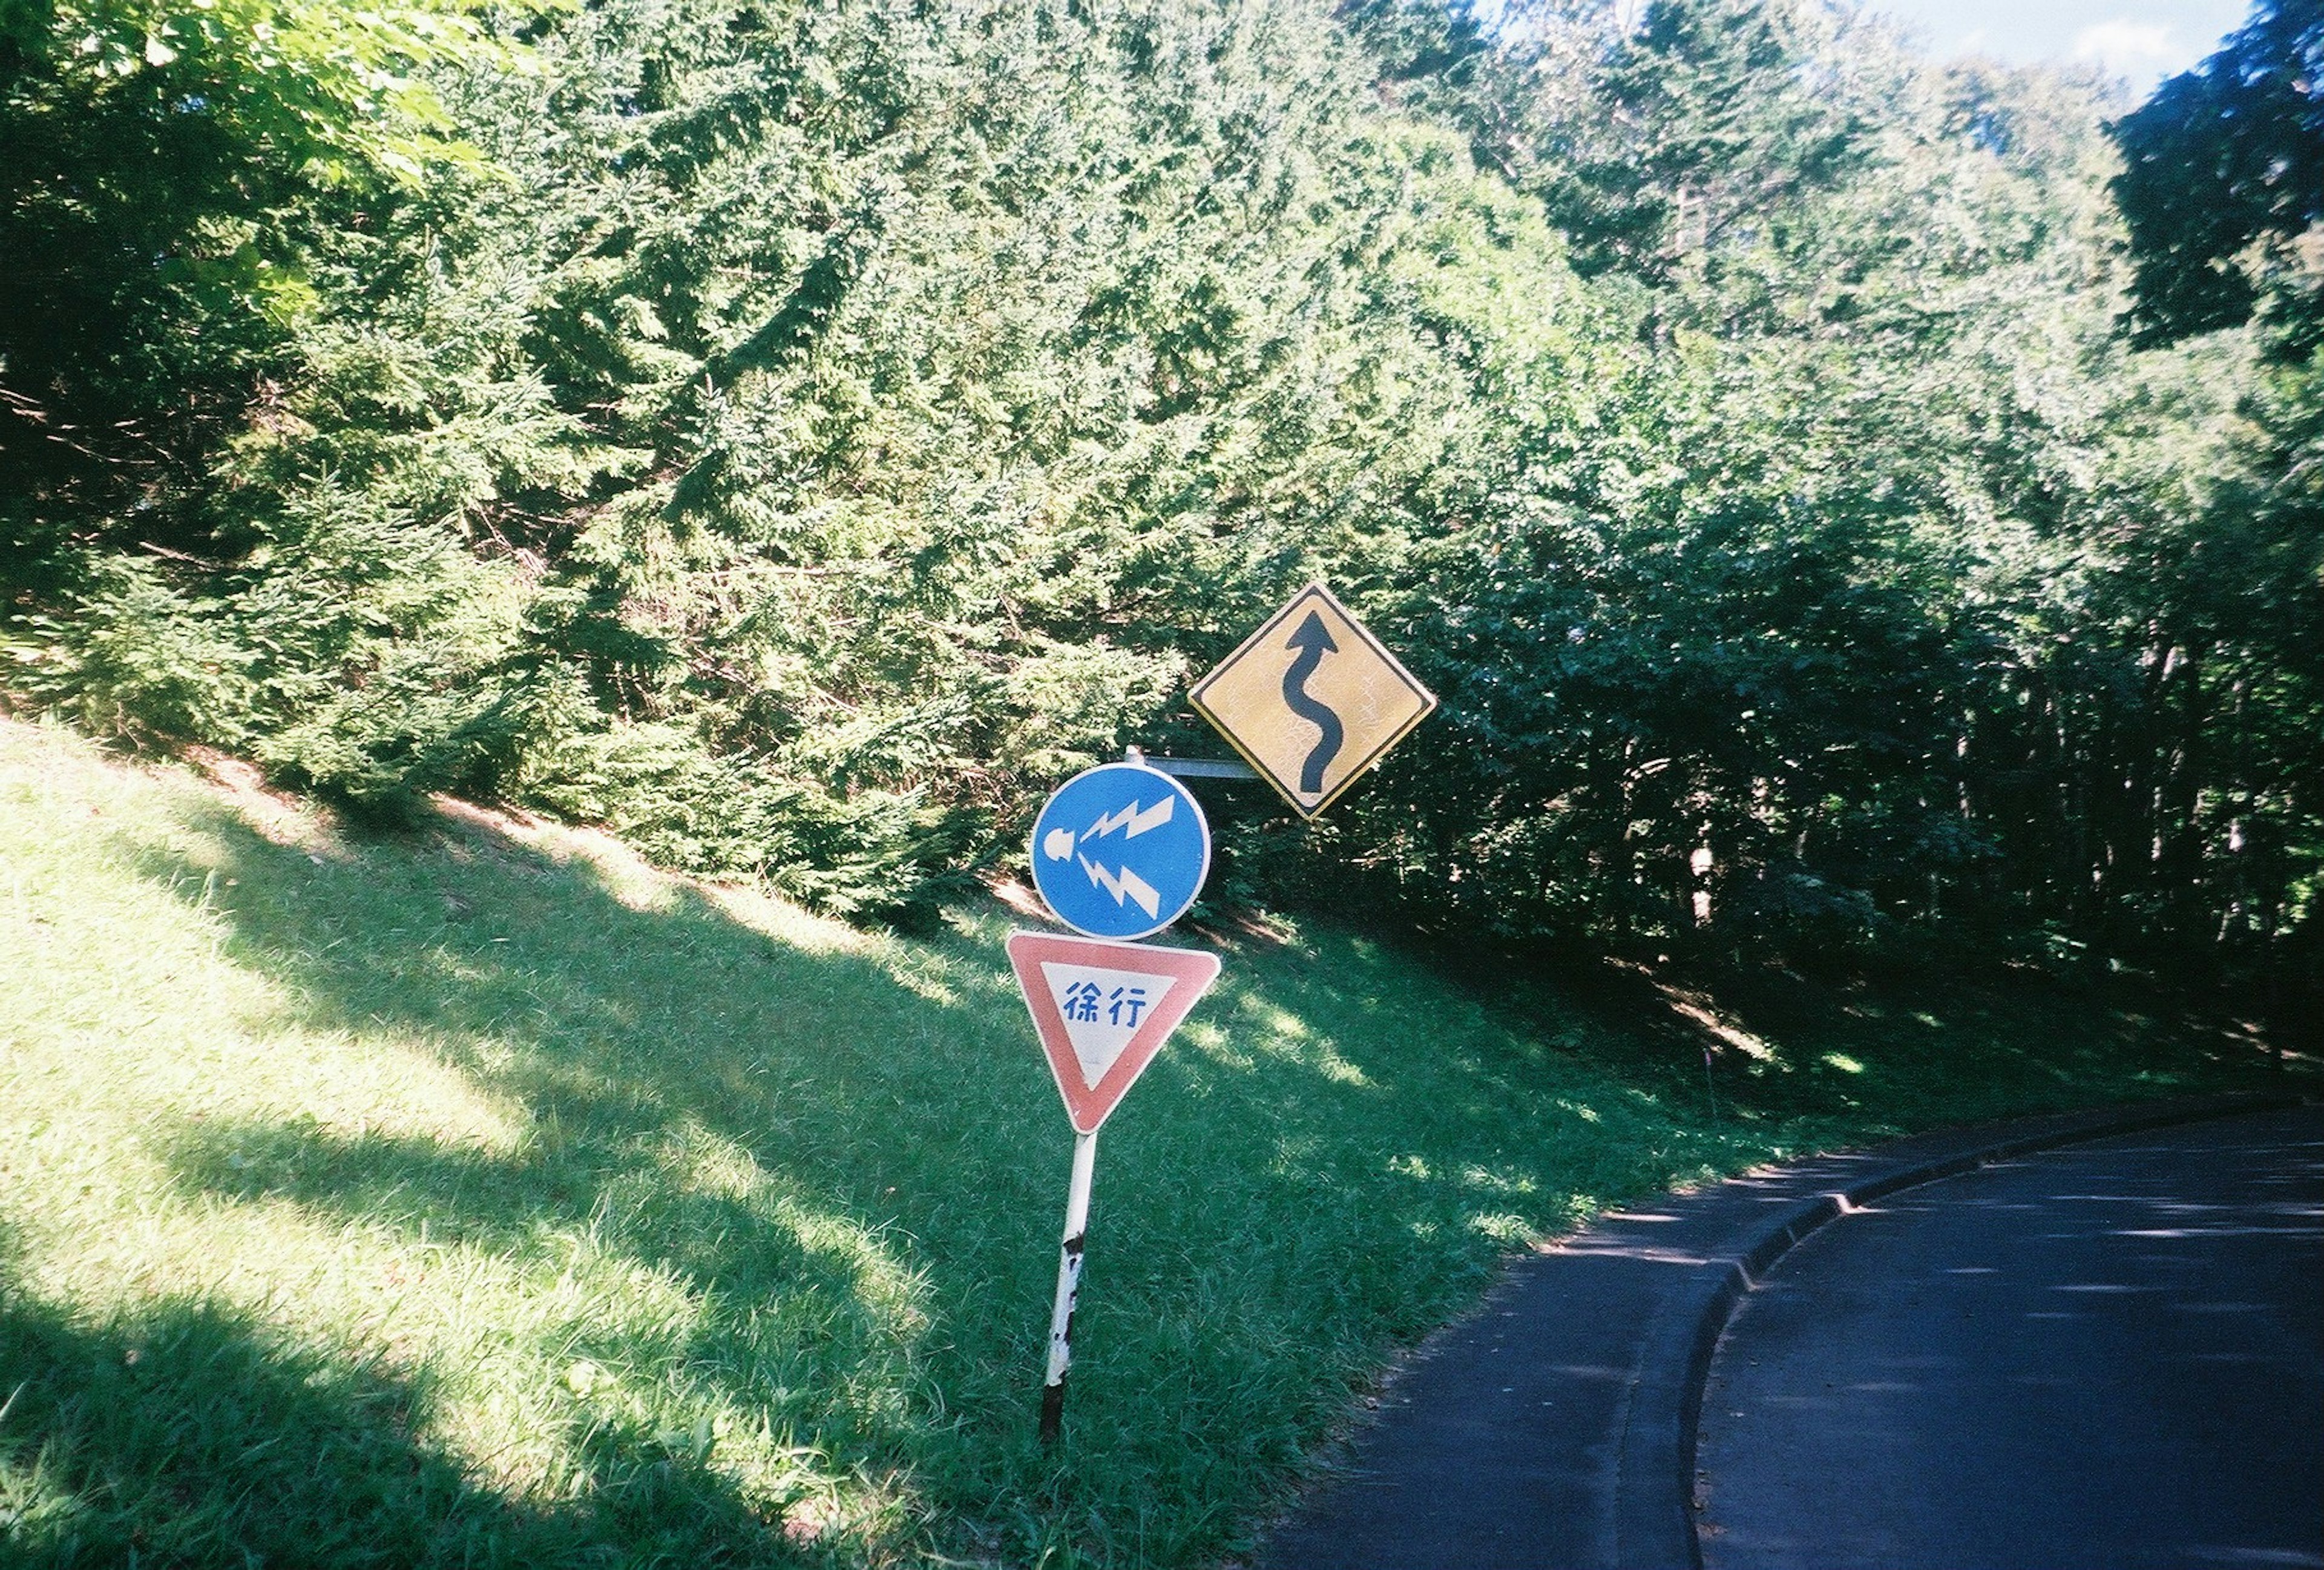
x=1121, y=851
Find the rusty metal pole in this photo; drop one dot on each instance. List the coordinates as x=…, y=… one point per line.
x=1069, y=1287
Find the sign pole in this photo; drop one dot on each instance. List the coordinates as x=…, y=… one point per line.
x=1101, y=1009
x=1069, y=1287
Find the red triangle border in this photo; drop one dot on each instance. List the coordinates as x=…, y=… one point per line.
x=1087, y=1107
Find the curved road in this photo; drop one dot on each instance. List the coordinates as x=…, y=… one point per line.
x=2109, y=1355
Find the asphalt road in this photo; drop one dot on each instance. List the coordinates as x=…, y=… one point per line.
x=2106, y=1355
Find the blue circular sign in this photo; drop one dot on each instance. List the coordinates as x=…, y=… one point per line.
x=1121, y=851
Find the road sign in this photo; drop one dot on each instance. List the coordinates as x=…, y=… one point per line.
x=1121, y=851
x=1312, y=699
x=1101, y=1011
x=1104, y=1010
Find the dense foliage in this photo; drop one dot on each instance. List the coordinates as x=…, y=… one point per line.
x=798, y=434
x=2224, y=180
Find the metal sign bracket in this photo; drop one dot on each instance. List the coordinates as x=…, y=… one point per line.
x=1192, y=768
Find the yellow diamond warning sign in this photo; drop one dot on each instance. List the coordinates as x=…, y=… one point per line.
x=1312, y=699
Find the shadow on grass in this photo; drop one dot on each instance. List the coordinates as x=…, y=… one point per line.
x=810, y=1183
x=845, y=1161
x=747, y=1120
x=186, y=1434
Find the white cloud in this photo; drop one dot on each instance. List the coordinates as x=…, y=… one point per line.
x=2124, y=46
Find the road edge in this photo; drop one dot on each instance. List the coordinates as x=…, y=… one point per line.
x=1654, y=1507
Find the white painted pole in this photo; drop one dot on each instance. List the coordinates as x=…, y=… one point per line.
x=1069, y=1285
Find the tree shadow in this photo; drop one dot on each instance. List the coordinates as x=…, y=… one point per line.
x=849, y=1176
x=186, y=1433
x=782, y=1190
x=751, y=1171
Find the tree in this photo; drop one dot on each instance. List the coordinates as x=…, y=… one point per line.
x=2223, y=193
x=168, y=169
x=2222, y=183
x=798, y=434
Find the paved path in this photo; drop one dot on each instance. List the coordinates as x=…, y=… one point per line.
x=1555, y=1428
x=2109, y=1355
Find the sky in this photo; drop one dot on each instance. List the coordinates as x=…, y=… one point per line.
x=2140, y=41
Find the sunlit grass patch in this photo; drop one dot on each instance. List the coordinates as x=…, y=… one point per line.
x=485, y=1198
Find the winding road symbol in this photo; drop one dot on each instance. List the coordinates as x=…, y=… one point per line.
x=1314, y=641
x=1311, y=700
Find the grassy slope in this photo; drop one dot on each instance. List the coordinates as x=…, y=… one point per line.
x=488, y=1199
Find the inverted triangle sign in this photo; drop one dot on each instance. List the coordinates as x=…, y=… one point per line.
x=1102, y=1010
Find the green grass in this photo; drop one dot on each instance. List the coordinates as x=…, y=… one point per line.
x=485, y=1198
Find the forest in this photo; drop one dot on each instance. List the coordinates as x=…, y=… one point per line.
x=1848, y=503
